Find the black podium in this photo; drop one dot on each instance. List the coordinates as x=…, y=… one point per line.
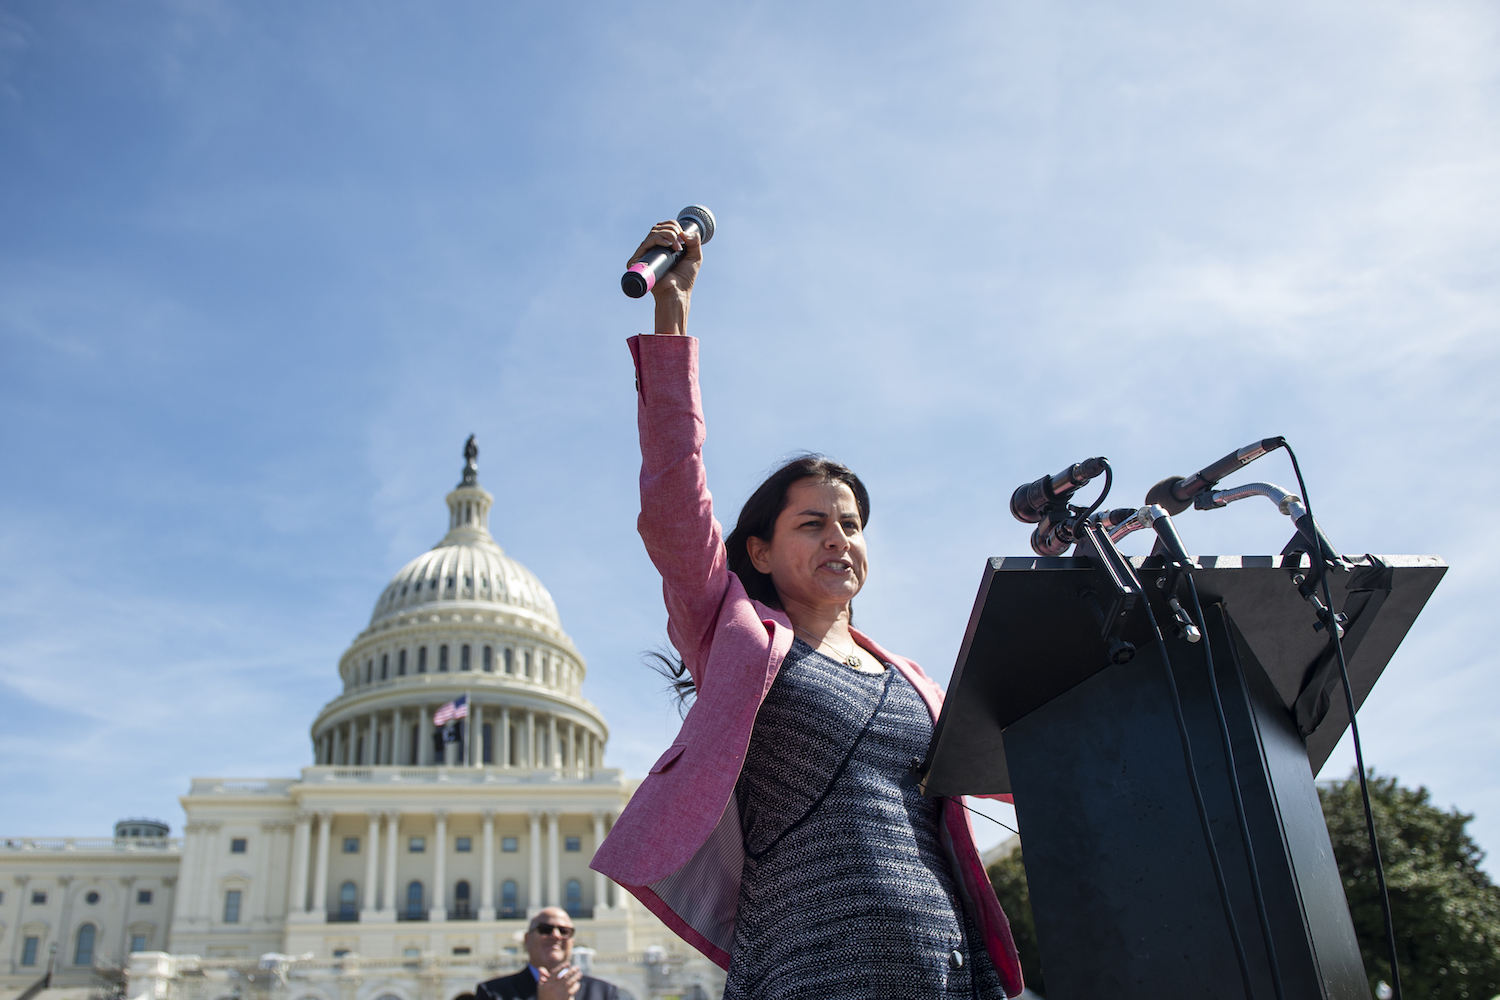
x=1123, y=893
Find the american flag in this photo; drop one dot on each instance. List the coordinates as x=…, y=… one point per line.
x=456, y=709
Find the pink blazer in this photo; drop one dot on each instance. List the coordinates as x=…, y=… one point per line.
x=677, y=846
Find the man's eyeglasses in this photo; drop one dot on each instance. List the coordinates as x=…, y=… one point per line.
x=547, y=930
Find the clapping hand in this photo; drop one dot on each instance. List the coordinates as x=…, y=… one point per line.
x=560, y=984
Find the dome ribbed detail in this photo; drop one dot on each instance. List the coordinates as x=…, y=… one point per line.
x=465, y=573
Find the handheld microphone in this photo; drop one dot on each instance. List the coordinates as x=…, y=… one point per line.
x=1175, y=495
x=1030, y=502
x=654, y=263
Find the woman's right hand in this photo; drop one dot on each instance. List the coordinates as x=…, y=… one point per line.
x=675, y=289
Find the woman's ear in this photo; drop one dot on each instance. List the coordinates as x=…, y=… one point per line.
x=758, y=549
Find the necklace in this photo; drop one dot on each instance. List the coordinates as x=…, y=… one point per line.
x=849, y=659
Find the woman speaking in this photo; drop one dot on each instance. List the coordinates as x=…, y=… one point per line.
x=782, y=833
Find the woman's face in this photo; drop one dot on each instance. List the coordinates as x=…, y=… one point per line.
x=816, y=555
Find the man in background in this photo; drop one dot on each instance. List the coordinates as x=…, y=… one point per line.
x=549, y=974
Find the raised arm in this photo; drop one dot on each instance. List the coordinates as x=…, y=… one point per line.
x=682, y=537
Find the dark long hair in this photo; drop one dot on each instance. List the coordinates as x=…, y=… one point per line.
x=758, y=519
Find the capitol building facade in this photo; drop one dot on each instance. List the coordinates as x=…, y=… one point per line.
x=404, y=862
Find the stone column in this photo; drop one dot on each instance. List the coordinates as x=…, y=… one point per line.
x=439, y=910
x=297, y=891
x=336, y=741
x=534, y=884
x=16, y=938
x=392, y=838
x=530, y=761
x=127, y=889
x=369, y=754
x=601, y=884
x=399, y=753
x=255, y=902
x=554, y=751
x=209, y=841
x=503, y=742
x=320, y=874
x=424, y=735
x=554, y=893
x=350, y=731
x=64, y=924
x=186, y=867
x=170, y=884
x=476, y=734
x=487, y=868
x=372, y=868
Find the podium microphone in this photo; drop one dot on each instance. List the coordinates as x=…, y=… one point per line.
x=1030, y=502
x=1045, y=504
x=1176, y=494
x=656, y=262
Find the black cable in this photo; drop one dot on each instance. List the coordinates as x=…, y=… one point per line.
x=1331, y=622
x=987, y=816
x=1109, y=480
x=1239, y=802
x=1192, y=770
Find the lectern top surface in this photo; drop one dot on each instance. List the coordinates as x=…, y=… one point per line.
x=1031, y=637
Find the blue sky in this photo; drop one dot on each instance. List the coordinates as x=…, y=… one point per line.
x=263, y=267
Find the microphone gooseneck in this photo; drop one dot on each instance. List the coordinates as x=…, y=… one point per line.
x=656, y=262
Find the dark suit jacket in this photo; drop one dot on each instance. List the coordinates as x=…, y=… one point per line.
x=522, y=986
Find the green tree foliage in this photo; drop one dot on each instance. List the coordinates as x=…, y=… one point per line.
x=1008, y=876
x=1446, y=910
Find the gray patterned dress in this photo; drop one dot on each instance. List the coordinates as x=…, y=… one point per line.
x=846, y=891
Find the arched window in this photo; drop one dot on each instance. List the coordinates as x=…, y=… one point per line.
x=442, y=659
x=574, y=897
x=489, y=660
x=348, y=901
x=401, y=664
x=488, y=754
x=463, y=657
x=83, y=954
x=414, y=910
x=385, y=666
x=508, y=908
x=527, y=672
x=369, y=671
x=461, y=900
x=422, y=660
x=510, y=660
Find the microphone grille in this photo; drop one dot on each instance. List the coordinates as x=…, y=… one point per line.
x=700, y=215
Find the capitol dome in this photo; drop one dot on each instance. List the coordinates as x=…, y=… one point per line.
x=466, y=567
x=463, y=621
